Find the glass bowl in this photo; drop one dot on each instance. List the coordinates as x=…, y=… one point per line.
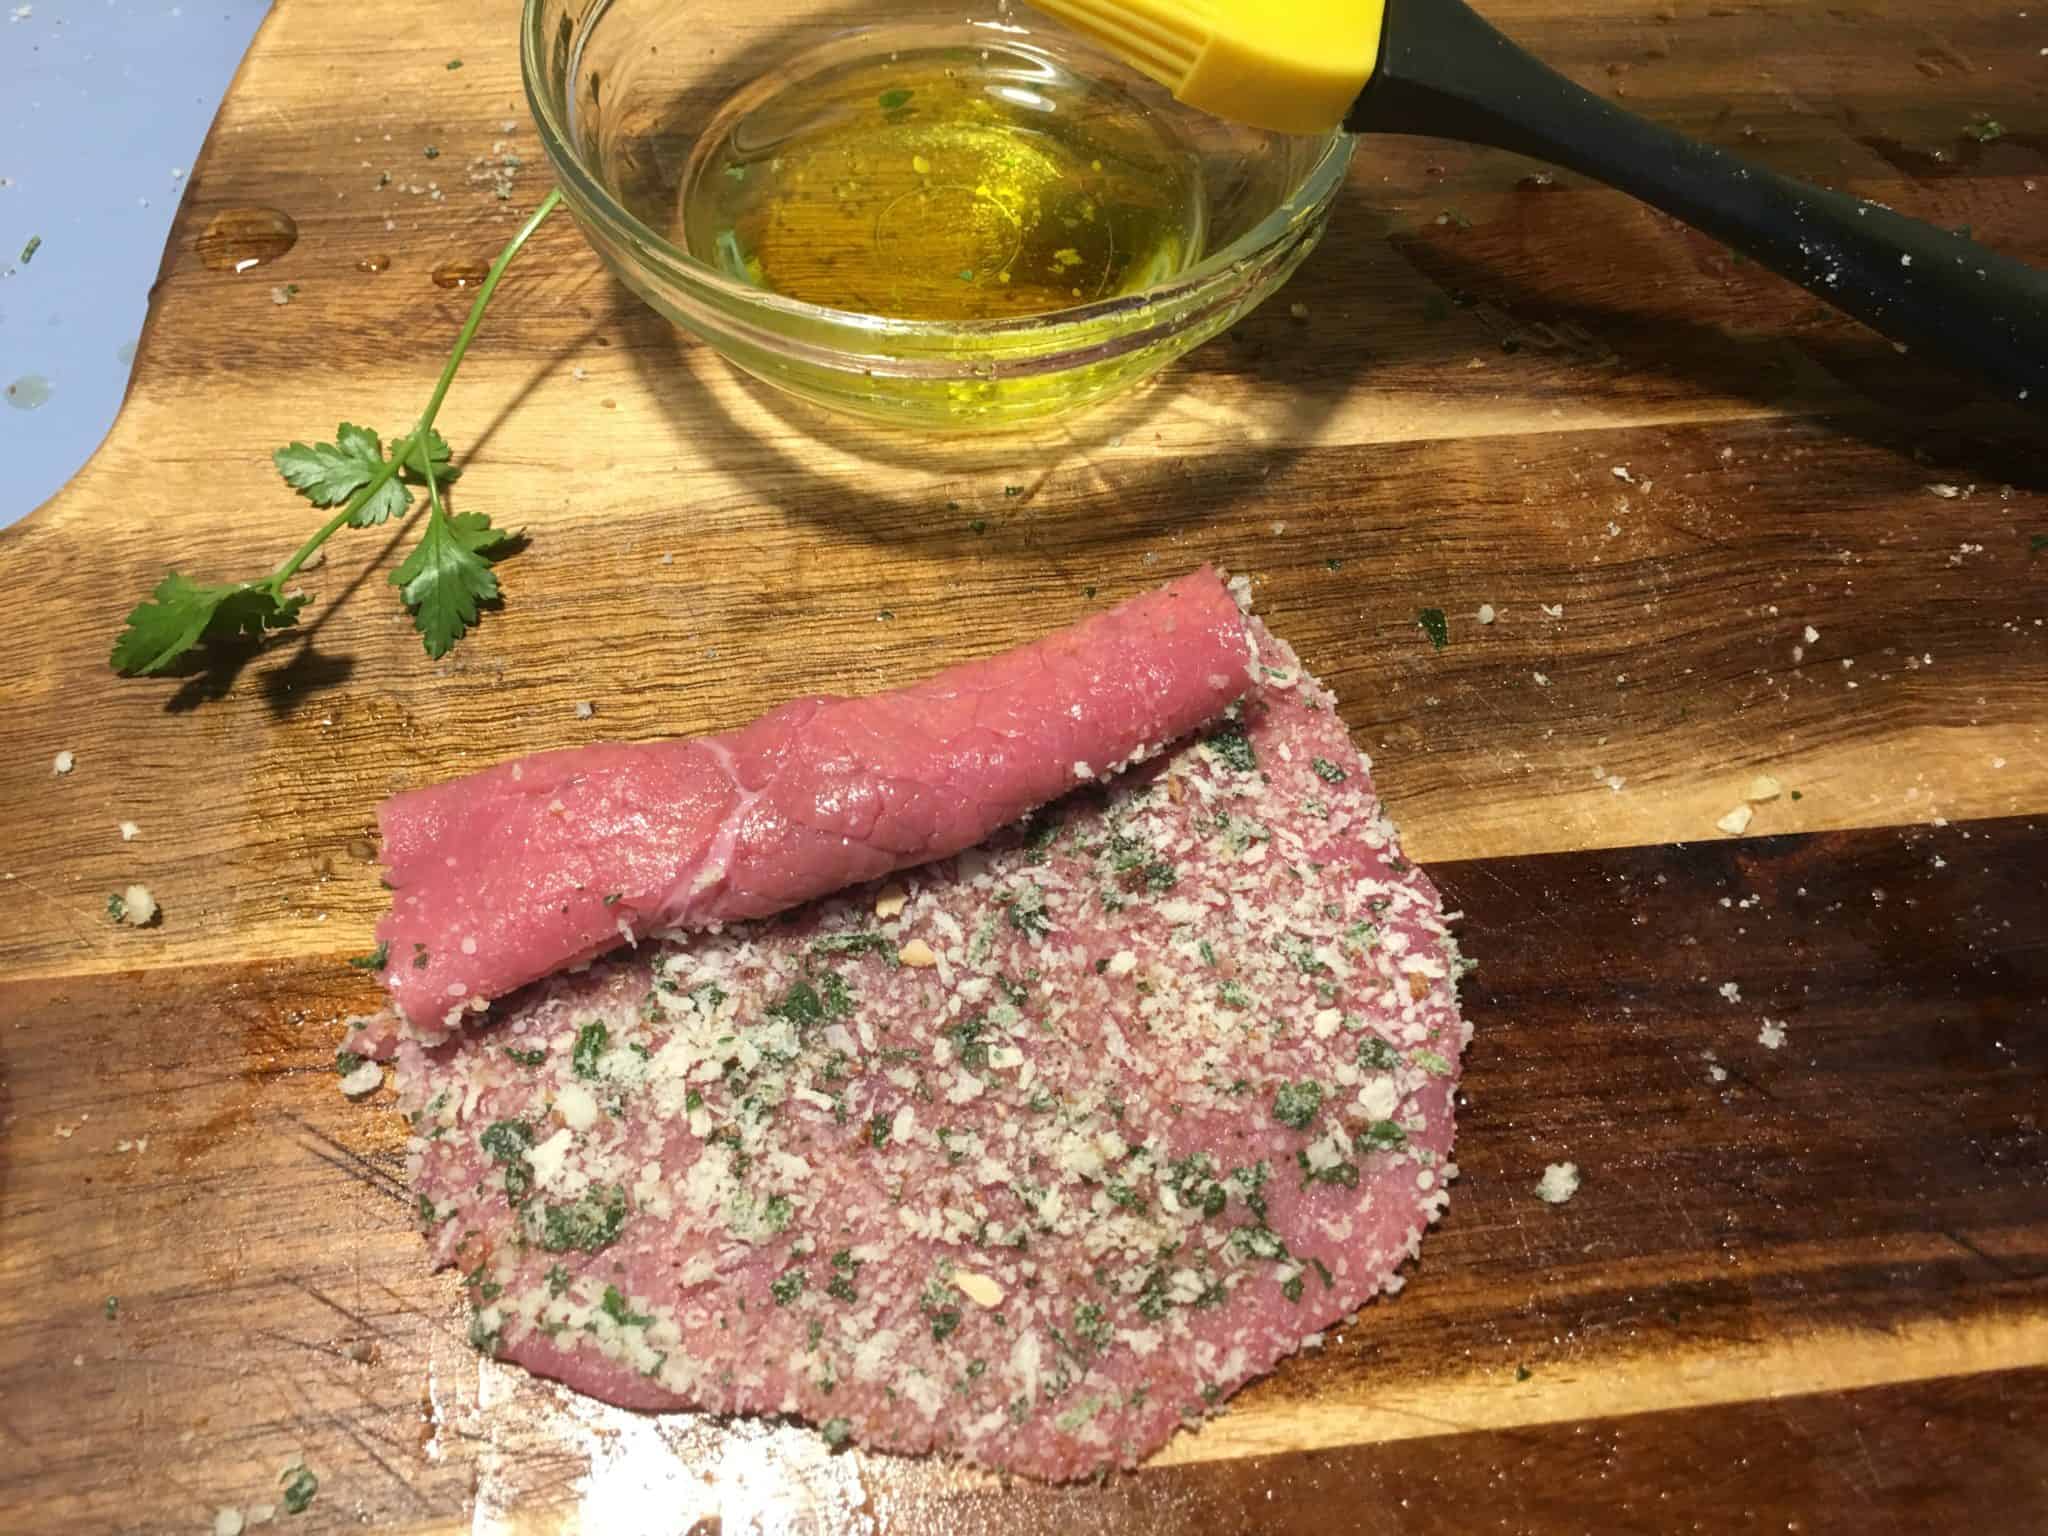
x=631, y=96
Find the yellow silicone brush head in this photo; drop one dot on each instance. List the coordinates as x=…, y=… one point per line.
x=1291, y=67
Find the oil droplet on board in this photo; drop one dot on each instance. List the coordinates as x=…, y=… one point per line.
x=376, y=263
x=461, y=273
x=28, y=392
x=240, y=238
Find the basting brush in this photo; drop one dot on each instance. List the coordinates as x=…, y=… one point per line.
x=1436, y=67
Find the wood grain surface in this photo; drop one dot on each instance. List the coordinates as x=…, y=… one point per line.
x=1811, y=1292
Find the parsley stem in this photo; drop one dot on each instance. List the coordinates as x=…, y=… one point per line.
x=463, y=338
x=326, y=530
x=402, y=449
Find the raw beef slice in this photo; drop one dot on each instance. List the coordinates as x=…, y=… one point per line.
x=508, y=875
x=1029, y=1156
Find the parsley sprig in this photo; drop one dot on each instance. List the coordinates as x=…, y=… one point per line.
x=444, y=579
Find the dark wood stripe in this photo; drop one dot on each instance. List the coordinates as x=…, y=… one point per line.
x=1954, y=1454
x=1881, y=1173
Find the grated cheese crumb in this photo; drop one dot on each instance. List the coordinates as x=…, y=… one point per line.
x=1771, y=1036
x=135, y=906
x=1736, y=822
x=1559, y=1183
x=63, y=763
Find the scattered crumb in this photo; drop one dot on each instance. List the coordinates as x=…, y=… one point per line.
x=1812, y=634
x=1732, y=991
x=917, y=955
x=1763, y=787
x=1552, y=610
x=1771, y=1036
x=130, y=831
x=1559, y=1183
x=1946, y=492
x=585, y=709
x=367, y=1078
x=134, y=906
x=1736, y=822
x=283, y=293
x=228, y=1523
x=1298, y=310
x=1541, y=680
x=64, y=762
x=1717, y=1073
x=1486, y=613
x=890, y=901
x=1621, y=473
x=579, y=374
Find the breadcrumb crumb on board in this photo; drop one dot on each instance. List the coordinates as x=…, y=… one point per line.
x=1559, y=1183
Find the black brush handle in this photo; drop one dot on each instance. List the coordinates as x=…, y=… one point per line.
x=1446, y=72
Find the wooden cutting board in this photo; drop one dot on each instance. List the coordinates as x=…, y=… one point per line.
x=1722, y=534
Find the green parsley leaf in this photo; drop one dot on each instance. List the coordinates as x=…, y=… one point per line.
x=180, y=614
x=1435, y=625
x=299, y=1487
x=1383, y=1136
x=327, y=474
x=375, y=960
x=1230, y=746
x=800, y=1006
x=893, y=99
x=589, y=1224
x=853, y=944
x=1375, y=1055
x=615, y=1308
x=448, y=576
x=1296, y=1104
x=592, y=1040
x=1327, y=771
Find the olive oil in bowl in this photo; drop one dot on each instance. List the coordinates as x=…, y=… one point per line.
x=920, y=179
